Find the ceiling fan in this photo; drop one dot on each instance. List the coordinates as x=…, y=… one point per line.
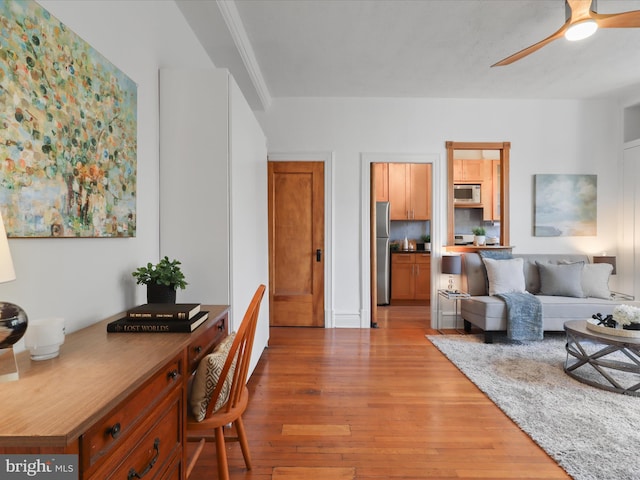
x=582, y=21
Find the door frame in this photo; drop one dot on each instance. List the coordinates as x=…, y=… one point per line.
x=438, y=228
x=327, y=159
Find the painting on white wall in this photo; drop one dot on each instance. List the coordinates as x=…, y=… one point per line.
x=68, y=131
x=565, y=205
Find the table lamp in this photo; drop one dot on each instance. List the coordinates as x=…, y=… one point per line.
x=13, y=319
x=451, y=265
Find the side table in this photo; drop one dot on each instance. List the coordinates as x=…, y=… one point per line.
x=454, y=295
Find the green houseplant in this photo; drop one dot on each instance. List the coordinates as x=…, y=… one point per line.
x=480, y=235
x=162, y=280
x=426, y=239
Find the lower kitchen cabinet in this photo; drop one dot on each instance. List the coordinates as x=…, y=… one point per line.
x=411, y=276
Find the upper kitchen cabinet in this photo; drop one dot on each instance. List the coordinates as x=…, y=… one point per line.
x=381, y=175
x=479, y=172
x=468, y=170
x=410, y=191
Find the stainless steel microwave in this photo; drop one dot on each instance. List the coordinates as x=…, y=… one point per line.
x=466, y=193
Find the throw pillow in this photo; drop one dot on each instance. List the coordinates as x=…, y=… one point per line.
x=595, y=280
x=561, y=280
x=505, y=276
x=207, y=377
x=496, y=255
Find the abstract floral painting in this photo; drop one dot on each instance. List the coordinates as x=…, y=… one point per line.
x=68, y=131
x=565, y=205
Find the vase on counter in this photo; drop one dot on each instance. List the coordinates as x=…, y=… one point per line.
x=479, y=240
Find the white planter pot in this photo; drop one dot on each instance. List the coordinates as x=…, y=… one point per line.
x=479, y=240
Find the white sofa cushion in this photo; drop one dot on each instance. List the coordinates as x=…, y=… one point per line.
x=505, y=276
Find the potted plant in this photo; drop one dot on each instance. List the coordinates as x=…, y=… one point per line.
x=162, y=280
x=480, y=236
x=427, y=242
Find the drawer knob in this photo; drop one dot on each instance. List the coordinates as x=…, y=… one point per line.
x=134, y=474
x=198, y=349
x=172, y=375
x=115, y=430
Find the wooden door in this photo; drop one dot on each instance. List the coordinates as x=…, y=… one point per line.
x=296, y=244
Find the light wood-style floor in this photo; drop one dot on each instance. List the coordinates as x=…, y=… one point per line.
x=342, y=404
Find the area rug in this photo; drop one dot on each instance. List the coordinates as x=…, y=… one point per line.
x=591, y=433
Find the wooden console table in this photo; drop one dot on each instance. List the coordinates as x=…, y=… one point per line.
x=117, y=400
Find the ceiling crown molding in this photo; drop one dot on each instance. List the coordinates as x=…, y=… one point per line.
x=232, y=19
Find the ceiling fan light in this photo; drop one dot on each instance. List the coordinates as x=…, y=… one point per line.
x=581, y=30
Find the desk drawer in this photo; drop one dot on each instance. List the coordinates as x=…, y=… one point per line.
x=116, y=427
x=204, y=343
x=151, y=448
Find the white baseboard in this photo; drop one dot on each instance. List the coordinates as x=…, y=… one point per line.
x=347, y=320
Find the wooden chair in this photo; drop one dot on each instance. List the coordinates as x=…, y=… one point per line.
x=231, y=412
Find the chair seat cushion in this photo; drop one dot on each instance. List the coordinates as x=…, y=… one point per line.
x=207, y=377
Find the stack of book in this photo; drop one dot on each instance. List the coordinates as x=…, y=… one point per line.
x=160, y=317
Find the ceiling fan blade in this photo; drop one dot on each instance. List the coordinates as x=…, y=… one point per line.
x=580, y=10
x=618, y=20
x=529, y=50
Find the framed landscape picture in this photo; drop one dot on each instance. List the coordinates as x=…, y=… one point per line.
x=565, y=205
x=68, y=140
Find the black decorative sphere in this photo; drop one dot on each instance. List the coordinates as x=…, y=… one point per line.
x=13, y=324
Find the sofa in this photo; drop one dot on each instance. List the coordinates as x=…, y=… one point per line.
x=569, y=288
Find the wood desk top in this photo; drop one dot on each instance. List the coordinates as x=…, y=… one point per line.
x=56, y=400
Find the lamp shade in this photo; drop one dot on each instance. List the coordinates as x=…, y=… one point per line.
x=610, y=259
x=452, y=264
x=7, y=273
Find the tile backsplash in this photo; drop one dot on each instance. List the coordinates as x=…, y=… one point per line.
x=410, y=229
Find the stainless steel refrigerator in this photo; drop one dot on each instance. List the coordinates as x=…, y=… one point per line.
x=383, y=260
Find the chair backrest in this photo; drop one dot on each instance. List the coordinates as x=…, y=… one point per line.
x=240, y=355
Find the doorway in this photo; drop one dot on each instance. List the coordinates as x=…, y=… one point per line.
x=438, y=228
x=296, y=243
x=406, y=191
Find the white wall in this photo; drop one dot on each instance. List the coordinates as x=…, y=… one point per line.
x=85, y=280
x=547, y=136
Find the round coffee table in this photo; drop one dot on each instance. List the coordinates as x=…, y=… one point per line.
x=604, y=361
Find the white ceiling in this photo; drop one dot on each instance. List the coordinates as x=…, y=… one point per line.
x=411, y=48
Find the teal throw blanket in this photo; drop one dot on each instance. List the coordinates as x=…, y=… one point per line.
x=524, y=316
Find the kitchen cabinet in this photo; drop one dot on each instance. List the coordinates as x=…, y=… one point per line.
x=495, y=189
x=381, y=182
x=481, y=172
x=467, y=171
x=410, y=276
x=410, y=191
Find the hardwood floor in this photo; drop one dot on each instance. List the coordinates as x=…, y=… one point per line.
x=342, y=404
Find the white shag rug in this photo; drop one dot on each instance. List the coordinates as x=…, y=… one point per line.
x=593, y=434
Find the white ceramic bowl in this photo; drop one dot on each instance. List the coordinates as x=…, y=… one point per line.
x=44, y=337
